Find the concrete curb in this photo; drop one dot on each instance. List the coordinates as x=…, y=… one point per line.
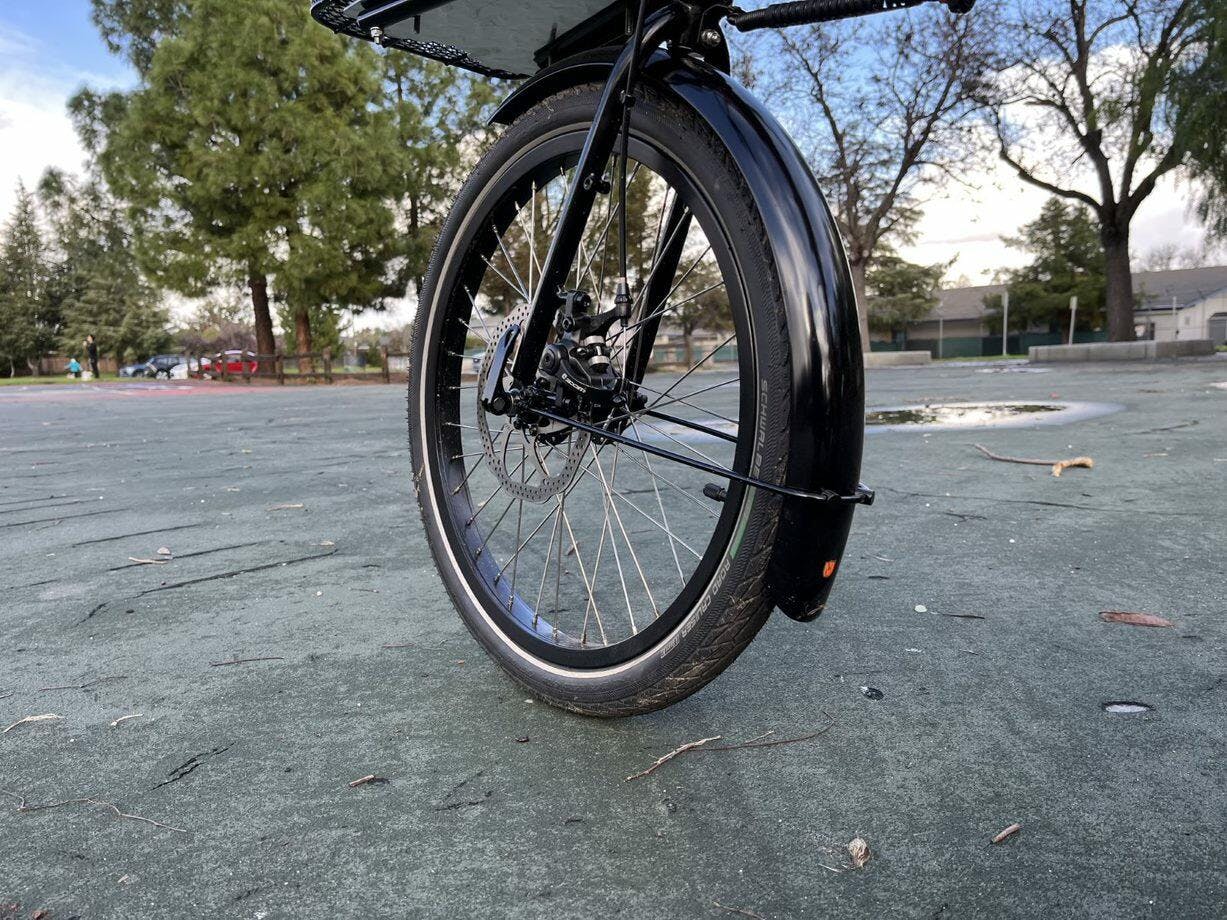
x=897, y=358
x=1121, y=351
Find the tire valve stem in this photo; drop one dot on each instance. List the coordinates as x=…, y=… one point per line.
x=715, y=492
x=622, y=300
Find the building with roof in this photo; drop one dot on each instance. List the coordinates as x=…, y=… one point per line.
x=1185, y=303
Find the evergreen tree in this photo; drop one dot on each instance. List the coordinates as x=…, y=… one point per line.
x=901, y=292
x=1067, y=260
x=256, y=150
x=94, y=281
x=28, y=320
x=439, y=115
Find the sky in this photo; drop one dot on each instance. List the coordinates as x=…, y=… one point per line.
x=45, y=58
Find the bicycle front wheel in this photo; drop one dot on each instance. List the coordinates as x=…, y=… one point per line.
x=608, y=579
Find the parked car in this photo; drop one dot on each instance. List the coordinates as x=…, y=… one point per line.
x=237, y=362
x=157, y=366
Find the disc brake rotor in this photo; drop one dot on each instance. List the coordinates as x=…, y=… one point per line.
x=546, y=470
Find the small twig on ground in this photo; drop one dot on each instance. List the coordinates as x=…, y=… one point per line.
x=136, y=561
x=25, y=807
x=689, y=746
x=744, y=911
x=288, y=507
x=1058, y=466
x=86, y=685
x=135, y=715
x=1008, y=832
x=43, y=718
x=368, y=779
x=222, y=664
x=756, y=742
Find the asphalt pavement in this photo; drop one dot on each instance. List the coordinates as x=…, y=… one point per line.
x=214, y=706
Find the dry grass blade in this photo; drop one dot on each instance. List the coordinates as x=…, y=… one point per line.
x=25, y=807
x=1007, y=833
x=1133, y=619
x=660, y=762
x=46, y=717
x=372, y=778
x=224, y=664
x=744, y=911
x=292, y=506
x=122, y=719
x=136, y=561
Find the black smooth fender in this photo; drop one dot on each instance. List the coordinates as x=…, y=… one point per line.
x=828, y=391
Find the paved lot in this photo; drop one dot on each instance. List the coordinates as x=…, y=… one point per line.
x=984, y=721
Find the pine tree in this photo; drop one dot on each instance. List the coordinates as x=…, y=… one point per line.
x=1067, y=260
x=256, y=150
x=94, y=280
x=28, y=322
x=901, y=292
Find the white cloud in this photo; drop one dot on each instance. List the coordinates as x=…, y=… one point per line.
x=970, y=222
x=35, y=131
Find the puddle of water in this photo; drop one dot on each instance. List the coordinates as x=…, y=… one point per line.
x=935, y=417
x=946, y=416
x=967, y=415
x=1125, y=707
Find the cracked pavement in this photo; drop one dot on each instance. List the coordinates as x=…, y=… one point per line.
x=344, y=658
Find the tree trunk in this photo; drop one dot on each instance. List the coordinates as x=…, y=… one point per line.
x=688, y=347
x=265, y=343
x=862, y=305
x=302, y=340
x=1119, y=284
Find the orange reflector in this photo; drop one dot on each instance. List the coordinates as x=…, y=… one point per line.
x=829, y=569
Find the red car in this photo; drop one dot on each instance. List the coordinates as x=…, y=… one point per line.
x=237, y=363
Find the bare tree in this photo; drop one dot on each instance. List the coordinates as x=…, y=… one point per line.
x=1081, y=110
x=882, y=110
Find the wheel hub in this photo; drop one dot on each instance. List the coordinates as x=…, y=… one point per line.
x=576, y=378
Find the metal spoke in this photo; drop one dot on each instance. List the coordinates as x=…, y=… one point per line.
x=663, y=516
x=621, y=527
x=545, y=571
x=584, y=573
x=655, y=523
x=683, y=401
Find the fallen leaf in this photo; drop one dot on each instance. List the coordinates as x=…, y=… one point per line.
x=43, y=718
x=164, y=551
x=858, y=852
x=1133, y=619
x=1008, y=832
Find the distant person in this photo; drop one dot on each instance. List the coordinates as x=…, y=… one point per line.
x=91, y=350
x=74, y=368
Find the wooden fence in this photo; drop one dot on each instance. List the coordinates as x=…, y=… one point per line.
x=312, y=367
